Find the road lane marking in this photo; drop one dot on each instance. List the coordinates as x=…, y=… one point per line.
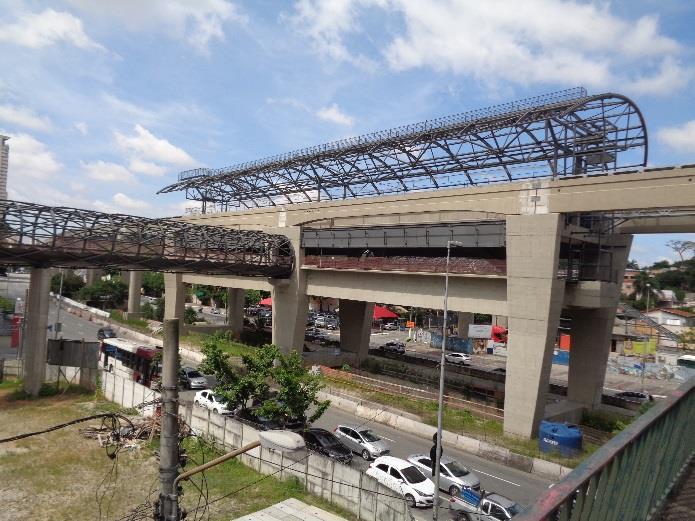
x=394, y=441
x=493, y=476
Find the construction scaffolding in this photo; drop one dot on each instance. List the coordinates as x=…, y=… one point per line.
x=567, y=133
x=45, y=236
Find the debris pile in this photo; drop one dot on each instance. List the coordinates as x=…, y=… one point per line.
x=130, y=436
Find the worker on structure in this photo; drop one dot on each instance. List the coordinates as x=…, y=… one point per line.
x=433, y=453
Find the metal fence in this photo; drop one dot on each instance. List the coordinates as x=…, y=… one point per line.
x=631, y=476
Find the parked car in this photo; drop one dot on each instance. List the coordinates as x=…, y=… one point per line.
x=251, y=417
x=457, y=358
x=453, y=476
x=390, y=326
x=395, y=347
x=362, y=441
x=471, y=505
x=404, y=478
x=105, y=332
x=192, y=379
x=635, y=396
x=324, y=442
x=207, y=398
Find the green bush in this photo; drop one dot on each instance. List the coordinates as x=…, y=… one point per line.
x=604, y=421
x=6, y=305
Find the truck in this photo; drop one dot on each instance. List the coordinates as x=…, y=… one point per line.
x=471, y=505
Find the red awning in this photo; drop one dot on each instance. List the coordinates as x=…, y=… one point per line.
x=381, y=312
x=266, y=302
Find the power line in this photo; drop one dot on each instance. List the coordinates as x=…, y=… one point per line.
x=114, y=416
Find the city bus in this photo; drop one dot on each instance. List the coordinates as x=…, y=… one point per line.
x=138, y=362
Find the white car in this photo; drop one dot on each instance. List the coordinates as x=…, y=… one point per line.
x=457, y=358
x=209, y=400
x=403, y=477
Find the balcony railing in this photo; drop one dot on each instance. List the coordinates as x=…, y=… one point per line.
x=460, y=265
x=629, y=477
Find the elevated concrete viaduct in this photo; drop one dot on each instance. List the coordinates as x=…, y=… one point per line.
x=545, y=221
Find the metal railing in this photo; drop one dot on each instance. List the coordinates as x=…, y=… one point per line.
x=631, y=476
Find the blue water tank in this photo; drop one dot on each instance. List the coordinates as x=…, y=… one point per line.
x=564, y=438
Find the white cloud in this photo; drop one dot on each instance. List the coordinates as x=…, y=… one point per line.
x=82, y=127
x=326, y=21
x=147, y=167
x=334, y=114
x=680, y=138
x=198, y=23
x=49, y=27
x=24, y=117
x=146, y=146
x=123, y=201
x=30, y=158
x=106, y=171
x=535, y=41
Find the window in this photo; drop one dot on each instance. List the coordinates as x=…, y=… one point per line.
x=383, y=467
x=426, y=462
x=673, y=322
x=394, y=473
x=309, y=438
x=413, y=475
x=353, y=435
x=368, y=435
x=498, y=512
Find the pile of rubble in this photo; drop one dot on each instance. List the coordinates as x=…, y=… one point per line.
x=130, y=436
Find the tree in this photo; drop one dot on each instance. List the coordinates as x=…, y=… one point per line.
x=298, y=391
x=687, y=338
x=253, y=296
x=681, y=247
x=661, y=265
x=190, y=316
x=632, y=265
x=72, y=284
x=113, y=291
x=153, y=283
x=645, y=284
x=216, y=361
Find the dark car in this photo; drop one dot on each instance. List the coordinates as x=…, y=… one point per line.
x=105, y=332
x=395, y=347
x=635, y=396
x=326, y=443
x=250, y=417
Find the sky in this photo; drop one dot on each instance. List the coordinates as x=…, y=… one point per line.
x=105, y=102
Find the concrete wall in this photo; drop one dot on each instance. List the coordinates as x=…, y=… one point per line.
x=127, y=393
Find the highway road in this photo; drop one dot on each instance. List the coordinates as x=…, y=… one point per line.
x=515, y=484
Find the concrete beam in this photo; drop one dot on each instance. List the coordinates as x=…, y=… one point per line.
x=480, y=294
x=356, y=327
x=534, y=296
x=228, y=281
x=35, y=349
x=464, y=320
x=174, y=296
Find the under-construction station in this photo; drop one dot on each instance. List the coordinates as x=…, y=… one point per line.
x=540, y=196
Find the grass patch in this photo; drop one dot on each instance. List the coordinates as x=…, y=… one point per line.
x=461, y=421
x=233, y=475
x=137, y=324
x=228, y=345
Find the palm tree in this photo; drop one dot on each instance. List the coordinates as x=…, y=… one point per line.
x=644, y=284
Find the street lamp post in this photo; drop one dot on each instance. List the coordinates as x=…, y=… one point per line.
x=435, y=509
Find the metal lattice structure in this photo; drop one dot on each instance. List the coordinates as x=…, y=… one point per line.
x=44, y=236
x=560, y=134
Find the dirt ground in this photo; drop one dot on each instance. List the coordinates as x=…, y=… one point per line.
x=61, y=475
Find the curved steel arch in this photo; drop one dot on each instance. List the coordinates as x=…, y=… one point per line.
x=37, y=235
x=560, y=134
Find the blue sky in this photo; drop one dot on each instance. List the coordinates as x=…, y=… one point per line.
x=106, y=102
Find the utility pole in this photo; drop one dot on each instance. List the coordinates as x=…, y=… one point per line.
x=169, y=438
x=60, y=302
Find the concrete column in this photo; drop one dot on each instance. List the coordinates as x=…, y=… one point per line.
x=174, y=296
x=355, y=326
x=134, y=290
x=36, y=323
x=464, y=320
x=592, y=331
x=290, y=301
x=534, y=302
x=235, y=311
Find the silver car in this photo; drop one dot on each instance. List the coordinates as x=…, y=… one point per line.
x=362, y=441
x=452, y=475
x=191, y=379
